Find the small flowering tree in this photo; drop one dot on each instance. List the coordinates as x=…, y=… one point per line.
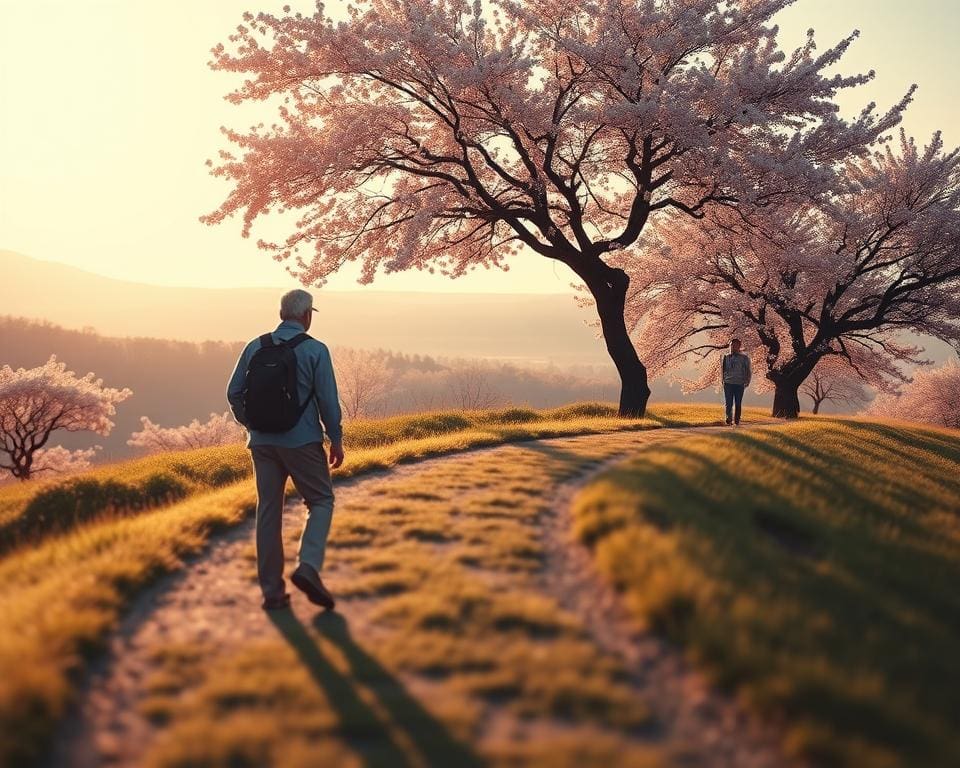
x=832, y=381
x=801, y=283
x=449, y=135
x=932, y=397
x=36, y=402
x=219, y=429
x=61, y=461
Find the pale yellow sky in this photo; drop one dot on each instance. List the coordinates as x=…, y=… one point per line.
x=108, y=112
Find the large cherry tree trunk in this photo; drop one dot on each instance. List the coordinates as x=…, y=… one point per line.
x=610, y=294
x=786, y=397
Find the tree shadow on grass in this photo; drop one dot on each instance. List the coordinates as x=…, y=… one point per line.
x=757, y=501
x=942, y=443
x=866, y=597
x=829, y=472
x=571, y=461
x=679, y=422
x=661, y=420
x=362, y=728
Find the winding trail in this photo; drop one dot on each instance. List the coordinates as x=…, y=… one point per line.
x=713, y=730
x=213, y=603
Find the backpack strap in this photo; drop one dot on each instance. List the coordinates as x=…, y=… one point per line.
x=295, y=341
x=267, y=340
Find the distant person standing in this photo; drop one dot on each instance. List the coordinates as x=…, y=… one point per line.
x=735, y=374
x=281, y=389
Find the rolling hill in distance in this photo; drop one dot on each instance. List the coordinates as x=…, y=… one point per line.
x=524, y=328
x=521, y=327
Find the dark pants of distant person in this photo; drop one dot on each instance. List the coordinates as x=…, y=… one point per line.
x=307, y=466
x=733, y=394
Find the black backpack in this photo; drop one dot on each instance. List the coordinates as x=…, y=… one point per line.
x=270, y=399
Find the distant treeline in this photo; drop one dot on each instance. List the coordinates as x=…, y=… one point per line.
x=174, y=382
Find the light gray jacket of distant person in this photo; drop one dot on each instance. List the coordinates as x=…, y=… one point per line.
x=735, y=368
x=314, y=375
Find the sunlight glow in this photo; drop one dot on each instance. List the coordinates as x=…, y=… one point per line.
x=108, y=112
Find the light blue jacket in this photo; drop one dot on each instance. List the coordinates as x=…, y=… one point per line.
x=314, y=371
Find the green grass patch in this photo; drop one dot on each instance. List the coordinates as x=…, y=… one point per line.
x=34, y=510
x=813, y=568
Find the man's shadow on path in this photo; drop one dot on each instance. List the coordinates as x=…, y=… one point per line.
x=362, y=728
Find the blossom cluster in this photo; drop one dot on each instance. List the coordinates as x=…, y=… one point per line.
x=219, y=429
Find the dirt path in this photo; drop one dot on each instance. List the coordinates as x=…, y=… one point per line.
x=213, y=604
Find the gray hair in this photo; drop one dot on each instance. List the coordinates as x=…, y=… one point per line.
x=295, y=304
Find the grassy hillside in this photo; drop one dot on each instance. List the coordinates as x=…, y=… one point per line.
x=59, y=596
x=814, y=568
x=40, y=508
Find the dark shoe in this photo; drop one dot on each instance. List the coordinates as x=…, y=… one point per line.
x=307, y=580
x=729, y=422
x=276, y=603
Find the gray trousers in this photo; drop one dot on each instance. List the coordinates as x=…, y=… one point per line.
x=307, y=466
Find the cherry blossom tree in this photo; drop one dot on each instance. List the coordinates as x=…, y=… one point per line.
x=802, y=283
x=833, y=381
x=58, y=460
x=446, y=135
x=219, y=429
x=932, y=397
x=363, y=378
x=36, y=402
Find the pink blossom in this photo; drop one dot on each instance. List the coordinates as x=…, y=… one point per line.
x=834, y=381
x=219, y=429
x=840, y=275
x=932, y=397
x=36, y=402
x=58, y=460
x=434, y=135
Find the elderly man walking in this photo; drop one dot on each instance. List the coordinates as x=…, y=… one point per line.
x=282, y=387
